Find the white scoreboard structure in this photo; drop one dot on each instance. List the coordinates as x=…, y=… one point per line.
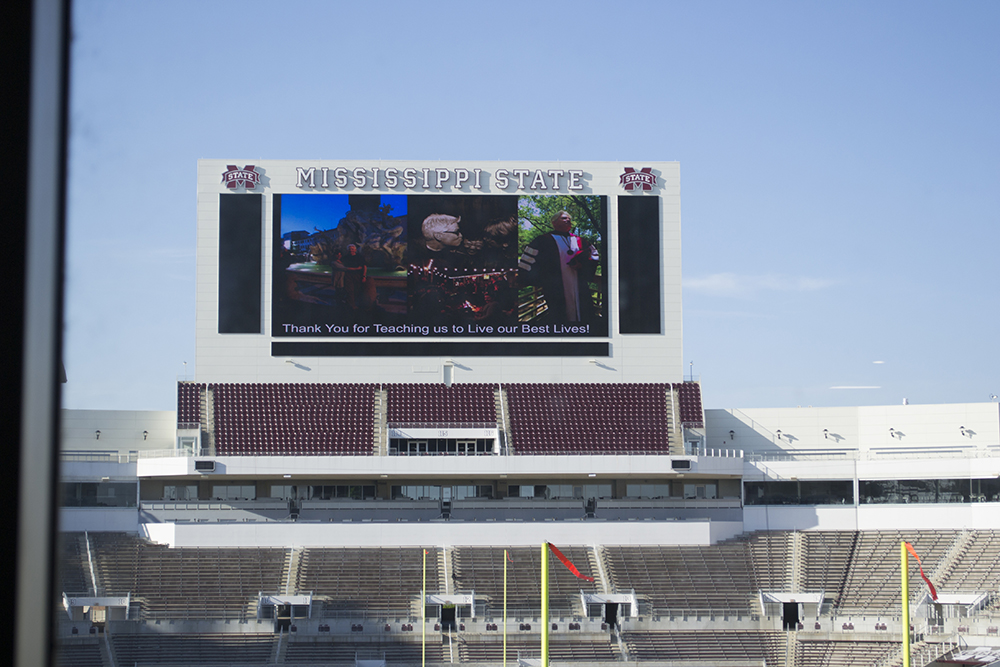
x=406, y=271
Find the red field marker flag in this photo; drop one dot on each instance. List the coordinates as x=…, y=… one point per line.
x=569, y=565
x=909, y=547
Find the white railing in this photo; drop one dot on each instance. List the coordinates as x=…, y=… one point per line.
x=172, y=453
x=722, y=453
x=804, y=455
x=113, y=456
x=441, y=425
x=873, y=455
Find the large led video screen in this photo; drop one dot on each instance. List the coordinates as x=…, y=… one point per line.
x=455, y=266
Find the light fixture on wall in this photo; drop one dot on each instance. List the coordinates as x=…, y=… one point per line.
x=961, y=429
x=97, y=434
x=826, y=434
x=145, y=434
x=732, y=434
x=779, y=434
x=892, y=432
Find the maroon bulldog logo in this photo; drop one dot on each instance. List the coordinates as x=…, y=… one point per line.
x=235, y=178
x=643, y=179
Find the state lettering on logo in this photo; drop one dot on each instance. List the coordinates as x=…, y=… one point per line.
x=247, y=178
x=643, y=179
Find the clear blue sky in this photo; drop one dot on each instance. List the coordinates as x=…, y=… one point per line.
x=839, y=165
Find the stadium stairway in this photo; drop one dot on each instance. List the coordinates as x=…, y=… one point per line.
x=292, y=571
x=208, y=429
x=597, y=565
x=280, y=649
x=89, y=572
x=381, y=424
x=445, y=570
x=503, y=423
x=674, y=427
x=954, y=555
x=107, y=652
x=790, y=655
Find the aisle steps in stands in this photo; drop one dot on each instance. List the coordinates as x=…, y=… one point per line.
x=294, y=560
x=108, y=652
x=380, y=427
x=976, y=570
x=674, y=427
x=503, y=423
x=597, y=565
x=795, y=563
x=208, y=429
x=446, y=553
x=278, y=654
x=790, y=657
x=955, y=555
x=89, y=572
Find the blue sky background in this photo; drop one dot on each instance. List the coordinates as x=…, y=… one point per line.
x=839, y=165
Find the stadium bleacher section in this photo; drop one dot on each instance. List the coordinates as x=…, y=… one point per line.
x=197, y=583
x=591, y=418
x=714, y=589
x=490, y=650
x=339, y=651
x=310, y=419
x=368, y=581
x=480, y=569
x=287, y=419
x=694, y=604
x=189, y=396
x=741, y=646
x=689, y=397
x=436, y=403
x=80, y=652
x=674, y=579
x=193, y=649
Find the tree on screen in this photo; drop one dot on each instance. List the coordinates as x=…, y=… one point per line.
x=536, y=211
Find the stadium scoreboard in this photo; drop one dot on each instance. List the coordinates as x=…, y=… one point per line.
x=314, y=271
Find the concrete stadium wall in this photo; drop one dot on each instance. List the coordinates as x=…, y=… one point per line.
x=507, y=533
x=914, y=428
